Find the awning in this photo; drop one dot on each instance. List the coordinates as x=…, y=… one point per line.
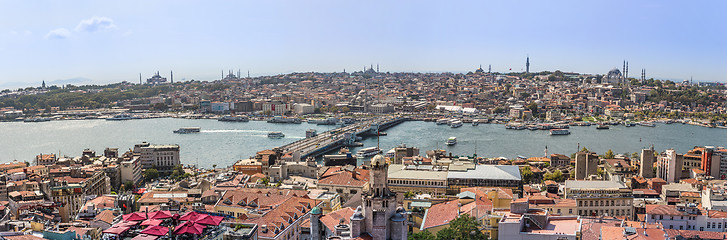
x=156, y=230
x=190, y=228
x=135, y=216
x=152, y=222
x=117, y=230
x=160, y=215
x=145, y=237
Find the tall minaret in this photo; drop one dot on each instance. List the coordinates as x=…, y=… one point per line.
x=489, y=69
x=623, y=71
x=140, y=78
x=377, y=67
x=627, y=71
x=643, y=75
x=527, y=65
x=171, y=76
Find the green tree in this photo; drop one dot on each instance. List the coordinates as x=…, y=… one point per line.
x=556, y=176
x=151, y=174
x=527, y=174
x=128, y=185
x=609, y=154
x=423, y=235
x=584, y=149
x=462, y=227
x=265, y=181
x=635, y=156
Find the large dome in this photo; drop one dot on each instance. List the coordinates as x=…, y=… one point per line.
x=378, y=160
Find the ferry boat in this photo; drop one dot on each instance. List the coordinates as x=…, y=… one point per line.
x=456, y=124
x=475, y=123
x=629, y=124
x=38, y=119
x=451, y=141
x=230, y=118
x=276, y=135
x=185, y=130
x=602, y=126
x=279, y=119
x=368, y=152
x=442, y=121
x=121, y=117
x=647, y=124
x=559, y=131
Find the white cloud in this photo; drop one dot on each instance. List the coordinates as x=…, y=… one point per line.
x=58, y=33
x=95, y=24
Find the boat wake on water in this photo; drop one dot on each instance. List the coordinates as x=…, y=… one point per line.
x=233, y=131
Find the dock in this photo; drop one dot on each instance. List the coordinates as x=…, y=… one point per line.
x=339, y=137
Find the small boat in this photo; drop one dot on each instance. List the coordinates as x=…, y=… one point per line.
x=647, y=124
x=186, y=130
x=602, y=126
x=451, y=141
x=121, y=117
x=456, y=124
x=368, y=152
x=475, y=123
x=559, y=131
x=629, y=124
x=276, y=135
x=442, y=121
x=230, y=118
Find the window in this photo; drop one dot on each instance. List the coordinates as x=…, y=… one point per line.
x=681, y=227
x=570, y=211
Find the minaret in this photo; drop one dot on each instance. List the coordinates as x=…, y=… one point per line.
x=627, y=71
x=643, y=75
x=171, y=77
x=43, y=86
x=248, y=73
x=489, y=69
x=222, y=74
x=623, y=71
x=139, y=78
x=527, y=65
x=377, y=67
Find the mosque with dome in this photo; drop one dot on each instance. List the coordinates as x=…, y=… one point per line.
x=378, y=217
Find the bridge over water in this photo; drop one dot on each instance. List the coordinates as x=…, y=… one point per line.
x=336, y=138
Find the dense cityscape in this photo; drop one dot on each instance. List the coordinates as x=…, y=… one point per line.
x=316, y=188
x=373, y=120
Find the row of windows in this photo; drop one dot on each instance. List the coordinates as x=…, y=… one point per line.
x=417, y=182
x=596, y=203
x=610, y=212
x=661, y=217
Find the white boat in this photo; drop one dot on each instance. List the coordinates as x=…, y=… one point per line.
x=368, y=152
x=279, y=119
x=647, y=124
x=121, y=117
x=451, y=141
x=38, y=119
x=185, y=130
x=559, y=131
x=442, y=121
x=276, y=135
x=229, y=118
x=456, y=124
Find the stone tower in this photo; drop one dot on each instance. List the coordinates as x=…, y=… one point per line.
x=379, y=205
x=647, y=163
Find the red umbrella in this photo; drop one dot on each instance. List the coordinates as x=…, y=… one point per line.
x=135, y=216
x=152, y=222
x=156, y=230
x=189, y=216
x=117, y=230
x=189, y=227
x=160, y=215
x=208, y=220
x=127, y=223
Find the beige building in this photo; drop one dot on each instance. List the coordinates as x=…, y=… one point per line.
x=417, y=179
x=163, y=158
x=131, y=171
x=601, y=198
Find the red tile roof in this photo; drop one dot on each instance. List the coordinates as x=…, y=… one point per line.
x=332, y=219
x=440, y=214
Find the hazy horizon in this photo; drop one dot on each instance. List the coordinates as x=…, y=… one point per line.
x=110, y=42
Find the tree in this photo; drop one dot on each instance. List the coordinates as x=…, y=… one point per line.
x=265, y=181
x=128, y=185
x=635, y=156
x=584, y=149
x=527, y=174
x=409, y=194
x=609, y=154
x=424, y=235
x=556, y=176
x=462, y=227
x=151, y=174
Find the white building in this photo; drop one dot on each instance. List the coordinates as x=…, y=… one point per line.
x=277, y=108
x=131, y=171
x=160, y=157
x=303, y=108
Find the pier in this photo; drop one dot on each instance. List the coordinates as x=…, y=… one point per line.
x=336, y=138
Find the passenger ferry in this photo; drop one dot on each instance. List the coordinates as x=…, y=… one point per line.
x=451, y=141
x=647, y=124
x=456, y=124
x=442, y=121
x=559, y=131
x=368, y=152
x=279, y=119
x=185, y=130
x=230, y=118
x=602, y=126
x=276, y=135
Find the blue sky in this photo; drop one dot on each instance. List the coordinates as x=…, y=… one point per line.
x=109, y=41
